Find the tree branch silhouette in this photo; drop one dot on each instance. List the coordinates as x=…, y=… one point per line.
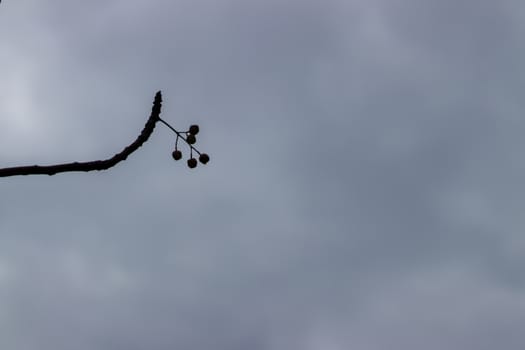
x=97, y=164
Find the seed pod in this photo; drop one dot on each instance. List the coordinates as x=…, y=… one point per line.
x=204, y=158
x=192, y=163
x=176, y=154
x=194, y=129
x=191, y=139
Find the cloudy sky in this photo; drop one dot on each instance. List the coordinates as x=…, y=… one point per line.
x=366, y=188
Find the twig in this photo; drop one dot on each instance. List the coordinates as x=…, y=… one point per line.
x=97, y=164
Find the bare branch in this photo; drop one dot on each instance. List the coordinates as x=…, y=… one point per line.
x=97, y=164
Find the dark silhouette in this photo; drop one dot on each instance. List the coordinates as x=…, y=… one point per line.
x=97, y=164
x=189, y=137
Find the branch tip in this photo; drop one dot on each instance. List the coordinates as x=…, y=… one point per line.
x=97, y=164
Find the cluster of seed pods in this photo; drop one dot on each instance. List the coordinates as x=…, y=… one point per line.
x=190, y=138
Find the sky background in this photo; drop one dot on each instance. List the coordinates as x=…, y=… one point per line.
x=365, y=189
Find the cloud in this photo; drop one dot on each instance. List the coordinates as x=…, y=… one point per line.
x=363, y=189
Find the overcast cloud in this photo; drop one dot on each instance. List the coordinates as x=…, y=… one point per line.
x=365, y=188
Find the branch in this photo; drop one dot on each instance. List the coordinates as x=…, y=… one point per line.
x=97, y=164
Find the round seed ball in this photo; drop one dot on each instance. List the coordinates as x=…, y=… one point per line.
x=191, y=139
x=204, y=158
x=194, y=129
x=192, y=163
x=176, y=154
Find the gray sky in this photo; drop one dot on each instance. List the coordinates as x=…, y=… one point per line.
x=365, y=189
